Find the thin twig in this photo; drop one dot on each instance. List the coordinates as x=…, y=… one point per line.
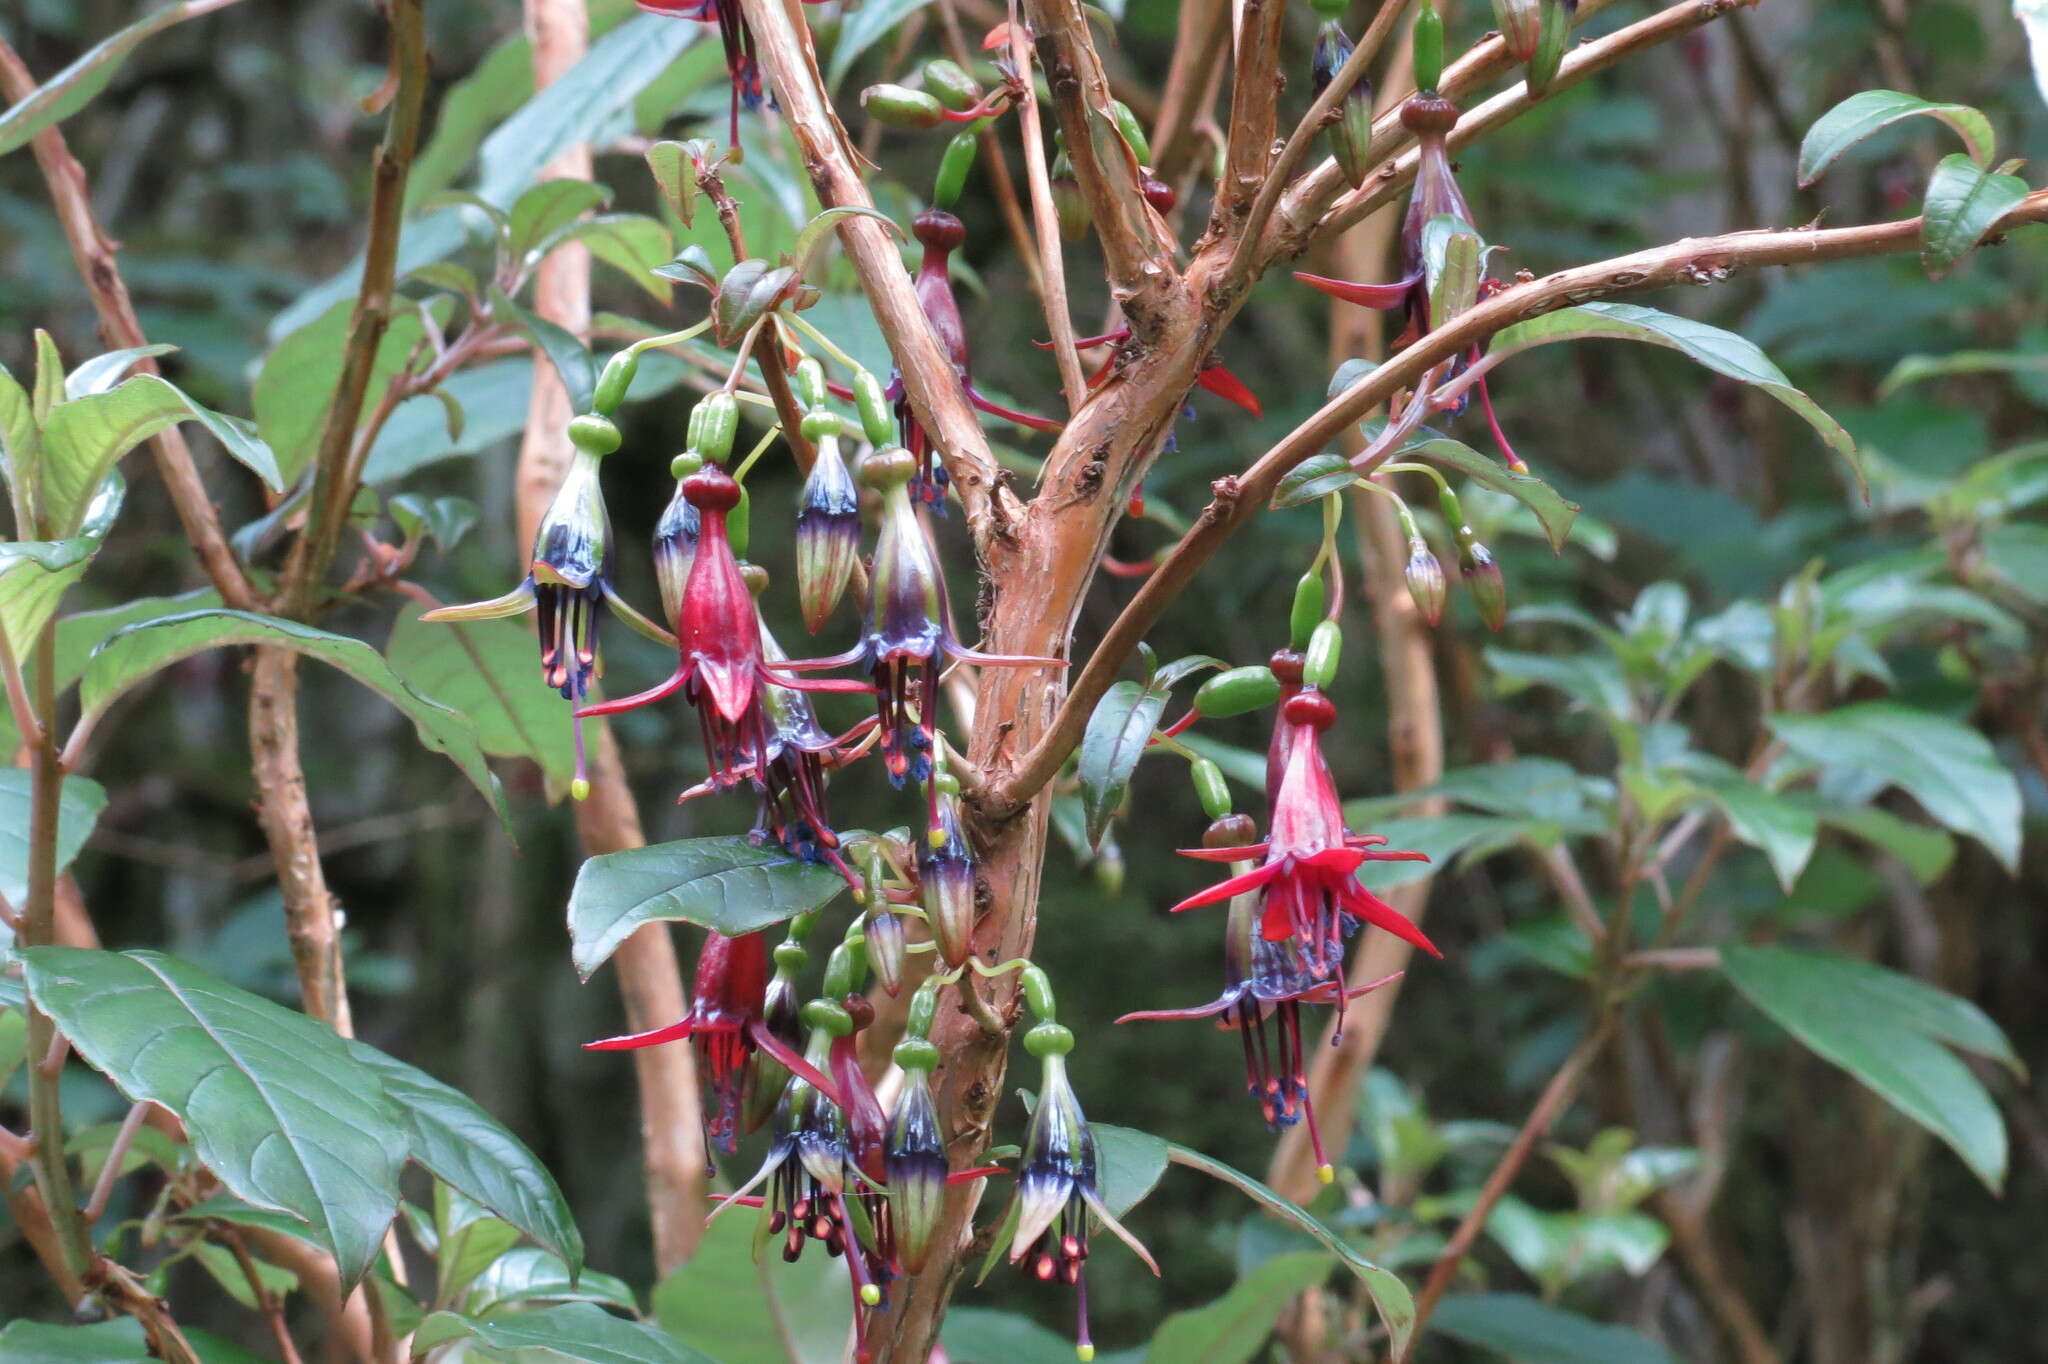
x=1052, y=267
x=266, y=1301
x=1557, y=1095
x=117, y=1152
x=1237, y=499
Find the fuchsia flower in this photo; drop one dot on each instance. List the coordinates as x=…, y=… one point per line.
x=1213, y=377
x=726, y=1024
x=741, y=68
x=1265, y=986
x=1307, y=876
x=723, y=671
x=941, y=234
x=907, y=636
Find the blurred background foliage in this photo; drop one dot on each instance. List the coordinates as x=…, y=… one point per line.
x=228, y=157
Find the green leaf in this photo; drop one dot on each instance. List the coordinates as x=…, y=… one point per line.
x=1131, y=1164
x=444, y=520
x=548, y=209
x=634, y=245
x=295, y=388
x=102, y=372
x=20, y=436
x=1721, y=351
x=1886, y=1030
x=1914, y=369
x=1948, y=767
x=743, y=1310
x=982, y=1335
x=671, y=165
x=574, y=1331
x=528, y=1274
x=78, y=808
x=1231, y=1329
x=1785, y=831
x=85, y=437
x=1115, y=739
x=1552, y=510
x=463, y=1145
x=725, y=884
x=861, y=30
x=1594, y=681
x=1531, y=1331
x=570, y=357
x=136, y=651
x=1963, y=203
x=34, y=576
x=486, y=670
x=494, y=397
x=275, y=1105
x=106, y=1342
x=78, y=84
x=1389, y=1294
x=1862, y=114
x=470, y=1249
x=1315, y=477
x=226, y=1271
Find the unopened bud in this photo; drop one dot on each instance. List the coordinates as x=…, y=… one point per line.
x=1231, y=831
x=1482, y=579
x=1429, y=47
x=898, y=106
x=1518, y=22
x=827, y=535
x=810, y=383
x=885, y=950
x=1425, y=580
x=1236, y=692
x=953, y=168
x=712, y=432
x=1070, y=206
x=1553, y=36
x=675, y=549
x=1350, y=135
x=950, y=83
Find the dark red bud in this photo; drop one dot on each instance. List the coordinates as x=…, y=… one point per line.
x=1310, y=708
x=1429, y=114
x=1286, y=665
x=711, y=489
x=1158, y=193
x=939, y=230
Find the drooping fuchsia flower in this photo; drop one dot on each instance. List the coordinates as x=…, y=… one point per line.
x=907, y=637
x=727, y=1025
x=568, y=584
x=1431, y=117
x=1264, y=988
x=722, y=671
x=941, y=234
x=1308, y=863
x=1213, y=377
x=1057, y=1184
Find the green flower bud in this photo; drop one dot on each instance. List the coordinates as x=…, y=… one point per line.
x=810, y=383
x=1133, y=131
x=1310, y=596
x=1425, y=577
x=1048, y=1039
x=1038, y=993
x=876, y=418
x=1237, y=692
x=1210, y=786
x=953, y=168
x=1429, y=47
x=1069, y=205
x=1519, y=22
x=1553, y=36
x=951, y=84
x=594, y=433
x=720, y=415
x=1325, y=647
x=898, y=106
x=612, y=384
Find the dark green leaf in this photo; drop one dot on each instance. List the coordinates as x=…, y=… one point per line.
x=1886, y=1030
x=574, y=1331
x=1531, y=1331
x=85, y=438
x=488, y=671
x=494, y=395
x=78, y=808
x=1231, y=1329
x=1915, y=369
x=570, y=357
x=1452, y=255
x=1115, y=739
x=746, y=293
x=452, y=1135
x=106, y=1342
x=1948, y=767
x=1131, y=1164
x=295, y=388
x=727, y=885
x=981, y=1335
x=1963, y=203
x=1389, y=1294
x=1552, y=510
x=136, y=651
x=1315, y=477
x=634, y=245
x=740, y=1309
x=274, y=1103
x=1721, y=351
x=444, y=520
x=1864, y=113
x=1785, y=831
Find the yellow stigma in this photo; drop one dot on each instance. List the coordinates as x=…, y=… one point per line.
x=938, y=838
x=579, y=789
x=860, y=897
x=1326, y=1174
x=870, y=1294
x=1084, y=1353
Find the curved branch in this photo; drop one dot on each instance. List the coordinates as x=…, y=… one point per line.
x=1694, y=260
x=784, y=51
